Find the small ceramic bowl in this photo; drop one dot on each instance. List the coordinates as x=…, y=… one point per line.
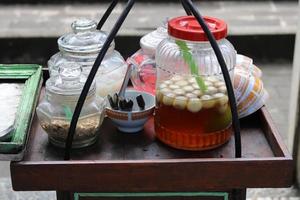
x=133, y=121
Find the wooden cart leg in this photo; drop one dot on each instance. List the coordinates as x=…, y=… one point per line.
x=239, y=194
x=63, y=195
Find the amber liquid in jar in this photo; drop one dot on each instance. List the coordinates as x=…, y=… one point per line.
x=186, y=118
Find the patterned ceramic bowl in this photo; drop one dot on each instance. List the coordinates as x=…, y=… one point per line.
x=133, y=121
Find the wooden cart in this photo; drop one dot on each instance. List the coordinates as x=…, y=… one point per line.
x=123, y=166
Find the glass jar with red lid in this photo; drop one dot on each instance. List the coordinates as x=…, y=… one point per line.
x=192, y=110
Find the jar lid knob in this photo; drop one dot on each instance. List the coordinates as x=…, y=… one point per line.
x=70, y=71
x=83, y=25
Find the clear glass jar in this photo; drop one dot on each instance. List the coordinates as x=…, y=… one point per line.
x=56, y=109
x=192, y=110
x=82, y=46
x=143, y=61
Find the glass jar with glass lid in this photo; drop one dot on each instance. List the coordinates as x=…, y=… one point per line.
x=82, y=46
x=56, y=109
x=192, y=110
x=143, y=61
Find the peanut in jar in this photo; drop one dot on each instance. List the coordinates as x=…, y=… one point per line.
x=190, y=119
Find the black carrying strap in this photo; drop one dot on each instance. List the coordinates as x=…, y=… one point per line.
x=190, y=9
x=230, y=91
x=186, y=8
x=91, y=77
x=107, y=14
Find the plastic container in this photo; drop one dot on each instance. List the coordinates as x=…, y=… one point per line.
x=244, y=63
x=82, y=46
x=192, y=110
x=143, y=61
x=249, y=91
x=56, y=109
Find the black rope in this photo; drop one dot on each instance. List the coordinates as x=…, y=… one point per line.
x=107, y=14
x=186, y=8
x=212, y=40
x=91, y=77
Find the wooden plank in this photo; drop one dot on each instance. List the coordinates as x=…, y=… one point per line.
x=271, y=132
x=164, y=175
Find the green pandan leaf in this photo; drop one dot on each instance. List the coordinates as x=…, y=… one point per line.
x=68, y=113
x=189, y=60
x=182, y=45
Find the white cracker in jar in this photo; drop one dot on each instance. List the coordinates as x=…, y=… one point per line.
x=180, y=102
x=211, y=90
x=194, y=105
x=179, y=92
x=188, y=88
x=208, y=101
x=168, y=99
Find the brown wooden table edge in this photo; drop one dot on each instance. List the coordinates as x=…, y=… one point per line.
x=272, y=134
x=255, y=172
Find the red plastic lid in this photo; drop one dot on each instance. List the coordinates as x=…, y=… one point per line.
x=188, y=28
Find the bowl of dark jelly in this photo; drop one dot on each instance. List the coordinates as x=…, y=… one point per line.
x=130, y=114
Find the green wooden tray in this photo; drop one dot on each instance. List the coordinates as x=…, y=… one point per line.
x=32, y=76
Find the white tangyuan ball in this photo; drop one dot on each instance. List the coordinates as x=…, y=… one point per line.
x=208, y=83
x=168, y=82
x=174, y=87
x=219, y=84
x=212, y=79
x=194, y=105
x=188, y=88
x=182, y=83
x=180, y=102
x=222, y=109
x=222, y=89
x=179, y=92
x=192, y=80
x=162, y=86
x=176, y=78
x=221, y=98
x=197, y=92
x=159, y=96
x=208, y=101
x=168, y=99
x=191, y=95
x=211, y=90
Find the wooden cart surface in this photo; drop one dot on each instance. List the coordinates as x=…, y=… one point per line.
x=137, y=165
